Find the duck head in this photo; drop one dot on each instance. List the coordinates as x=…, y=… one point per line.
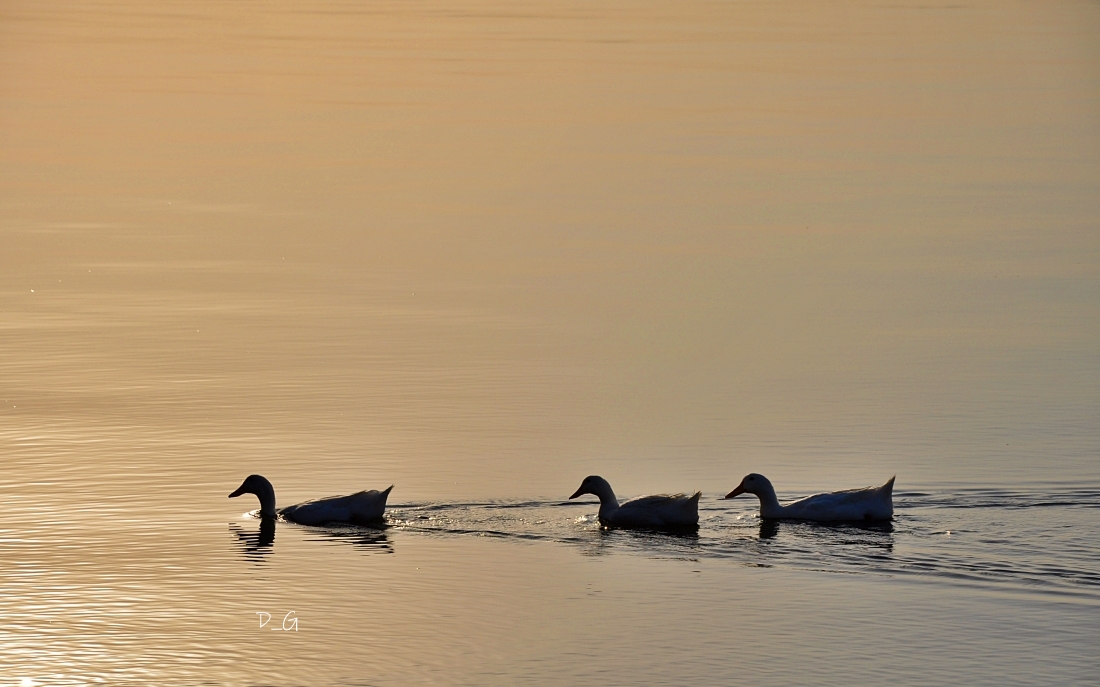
x=595, y=485
x=258, y=485
x=598, y=486
x=753, y=484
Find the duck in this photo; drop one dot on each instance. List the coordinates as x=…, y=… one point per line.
x=868, y=503
x=358, y=508
x=657, y=512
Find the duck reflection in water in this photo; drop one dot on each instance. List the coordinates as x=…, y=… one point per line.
x=255, y=544
x=878, y=535
x=768, y=529
x=366, y=538
x=608, y=539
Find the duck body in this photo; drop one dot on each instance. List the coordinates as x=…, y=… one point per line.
x=358, y=508
x=658, y=512
x=866, y=504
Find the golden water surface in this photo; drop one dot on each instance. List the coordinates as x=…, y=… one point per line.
x=480, y=250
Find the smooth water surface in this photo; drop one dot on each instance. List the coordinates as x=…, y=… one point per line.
x=482, y=250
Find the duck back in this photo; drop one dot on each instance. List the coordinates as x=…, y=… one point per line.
x=660, y=511
x=360, y=508
x=868, y=503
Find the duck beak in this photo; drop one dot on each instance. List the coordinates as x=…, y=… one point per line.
x=240, y=490
x=739, y=490
x=576, y=493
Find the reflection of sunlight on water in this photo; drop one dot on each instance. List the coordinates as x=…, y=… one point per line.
x=476, y=252
x=132, y=607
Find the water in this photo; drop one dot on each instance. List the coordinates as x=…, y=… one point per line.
x=995, y=583
x=987, y=537
x=482, y=252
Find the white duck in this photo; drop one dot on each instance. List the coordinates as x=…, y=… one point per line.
x=361, y=507
x=868, y=503
x=650, y=512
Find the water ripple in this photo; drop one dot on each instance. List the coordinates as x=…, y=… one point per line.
x=975, y=536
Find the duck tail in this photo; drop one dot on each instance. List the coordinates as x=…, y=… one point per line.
x=889, y=486
x=387, y=490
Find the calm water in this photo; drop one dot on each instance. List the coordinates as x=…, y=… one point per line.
x=480, y=251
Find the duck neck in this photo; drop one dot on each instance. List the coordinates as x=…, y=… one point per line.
x=608, y=503
x=266, y=493
x=769, y=504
